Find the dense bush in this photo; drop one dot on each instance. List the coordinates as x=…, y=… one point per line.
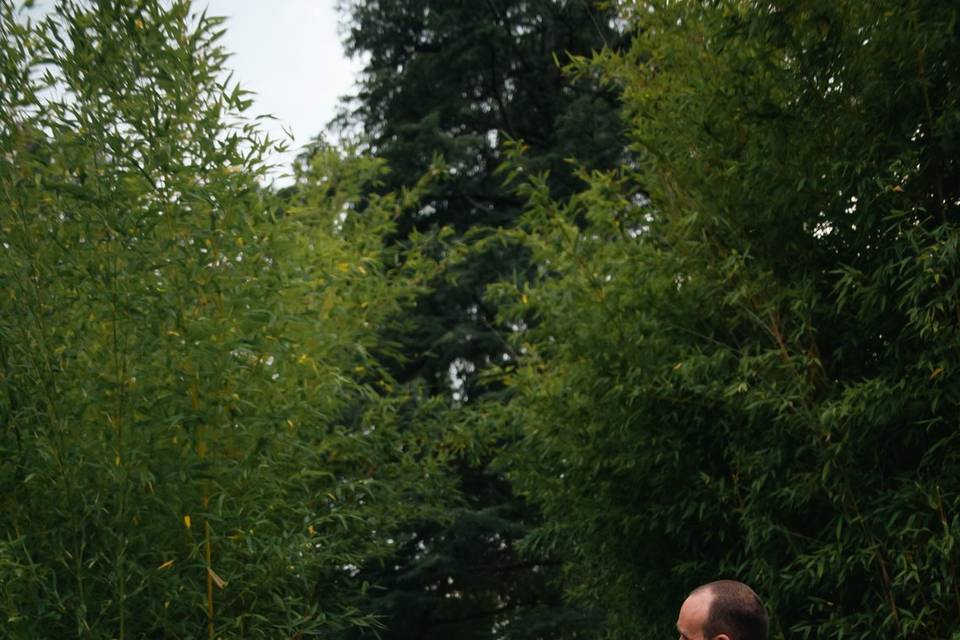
x=177, y=350
x=746, y=347
x=738, y=356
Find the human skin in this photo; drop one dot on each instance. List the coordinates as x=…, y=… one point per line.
x=693, y=616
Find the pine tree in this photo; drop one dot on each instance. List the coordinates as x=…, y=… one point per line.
x=457, y=80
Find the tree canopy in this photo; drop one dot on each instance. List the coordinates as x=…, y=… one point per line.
x=599, y=303
x=454, y=81
x=176, y=351
x=741, y=366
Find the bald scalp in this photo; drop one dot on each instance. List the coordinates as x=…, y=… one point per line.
x=735, y=610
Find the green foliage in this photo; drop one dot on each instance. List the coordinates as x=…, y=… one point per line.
x=455, y=79
x=746, y=368
x=176, y=351
x=735, y=355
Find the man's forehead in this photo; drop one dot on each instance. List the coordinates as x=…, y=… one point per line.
x=693, y=613
x=698, y=601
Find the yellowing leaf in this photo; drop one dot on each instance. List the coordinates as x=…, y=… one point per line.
x=217, y=580
x=343, y=266
x=166, y=565
x=186, y=521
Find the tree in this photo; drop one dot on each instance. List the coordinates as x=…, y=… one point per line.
x=456, y=80
x=746, y=369
x=174, y=353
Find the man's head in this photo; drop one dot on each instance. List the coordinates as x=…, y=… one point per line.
x=723, y=610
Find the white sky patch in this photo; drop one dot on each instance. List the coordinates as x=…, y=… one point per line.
x=457, y=374
x=288, y=53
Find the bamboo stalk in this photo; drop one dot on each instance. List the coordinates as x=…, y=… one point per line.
x=206, y=533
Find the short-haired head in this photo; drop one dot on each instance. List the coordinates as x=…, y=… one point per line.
x=734, y=610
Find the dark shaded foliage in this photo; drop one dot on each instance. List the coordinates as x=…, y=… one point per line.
x=750, y=371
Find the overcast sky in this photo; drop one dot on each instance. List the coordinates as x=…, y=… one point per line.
x=289, y=53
